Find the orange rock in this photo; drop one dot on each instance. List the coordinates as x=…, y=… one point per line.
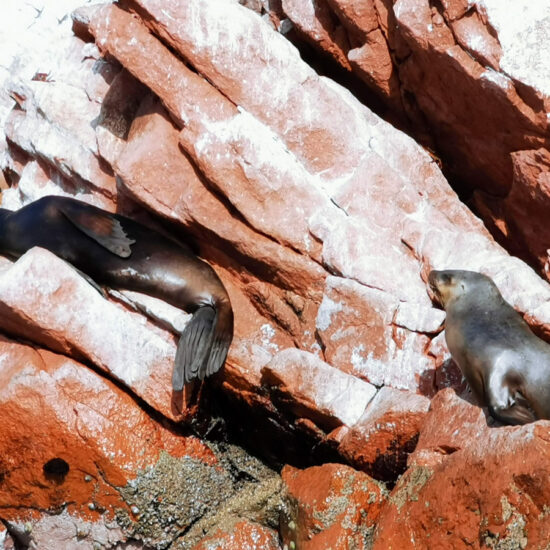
x=330, y=507
x=242, y=535
x=68, y=315
x=284, y=165
x=312, y=388
x=69, y=439
x=322, y=29
x=380, y=441
x=371, y=334
x=37, y=136
x=321, y=219
x=470, y=484
x=412, y=54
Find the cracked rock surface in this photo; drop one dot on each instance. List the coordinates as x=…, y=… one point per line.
x=202, y=119
x=472, y=78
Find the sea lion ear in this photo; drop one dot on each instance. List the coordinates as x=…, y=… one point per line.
x=103, y=228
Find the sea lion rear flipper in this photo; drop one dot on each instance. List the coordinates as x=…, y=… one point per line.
x=194, y=347
x=223, y=334
x=103, y=228
x=204, y=343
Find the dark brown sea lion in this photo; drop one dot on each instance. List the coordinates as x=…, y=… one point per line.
x=505, y=364
x=118, y=252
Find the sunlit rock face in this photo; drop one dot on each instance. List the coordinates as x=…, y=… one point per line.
x=473, y=80
x=470, y=484
x=202, y=120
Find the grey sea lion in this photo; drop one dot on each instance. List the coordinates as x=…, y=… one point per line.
x=118, y=252
x=505, y=364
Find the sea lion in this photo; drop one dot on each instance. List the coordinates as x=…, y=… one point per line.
x=118, y=252
x=505, y=364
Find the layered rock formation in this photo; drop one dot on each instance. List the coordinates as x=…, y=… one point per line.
x=471, y=79
x=322, y=221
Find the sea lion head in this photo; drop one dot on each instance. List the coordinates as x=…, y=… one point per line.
x=452, y=285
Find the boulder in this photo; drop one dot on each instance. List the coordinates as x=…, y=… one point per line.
x=470, y=484
x=330, y=507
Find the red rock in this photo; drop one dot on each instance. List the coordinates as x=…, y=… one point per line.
x=371, y=334
x=251, y=141
x=360, y=18
x=152, y=162
x=379, y=247
x=330, y=507
x=108, y=20
x=373, y=63
x=323, y=231
x=316, y=23
x=380, y=441
x=79, y=437
x=241, y=535
x=81, y=463
x=312, y=388
x=118, y=110
x=526, y=203
x=38, y=179
x=470, y=485
x=36, y=306
x=58, y=123
x=472, y=34
x=320, y=142
x=67, y=156
x=487, y=60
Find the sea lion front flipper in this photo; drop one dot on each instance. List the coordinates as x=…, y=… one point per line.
x=507, y=406
x=194, y=347
x=516, y=414
x=103, y=228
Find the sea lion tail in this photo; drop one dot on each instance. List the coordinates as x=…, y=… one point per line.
x=203, y=344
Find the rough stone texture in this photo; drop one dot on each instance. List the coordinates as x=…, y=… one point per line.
x=330, y=507
x=128, y=477
x=62, y=530
x=68, y=315
x=6, y=541
x=55, y=409
x=470, y=484
x=181, y=501
x=244, y=534
x=459, y=72
x=313, y=389
x=391, y=268
x=321, y=219
x=381, y=439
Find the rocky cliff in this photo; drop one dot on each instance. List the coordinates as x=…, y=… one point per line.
x=247, y=132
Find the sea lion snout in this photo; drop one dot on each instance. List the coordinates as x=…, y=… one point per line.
x=433, y=278
x=438, y=280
